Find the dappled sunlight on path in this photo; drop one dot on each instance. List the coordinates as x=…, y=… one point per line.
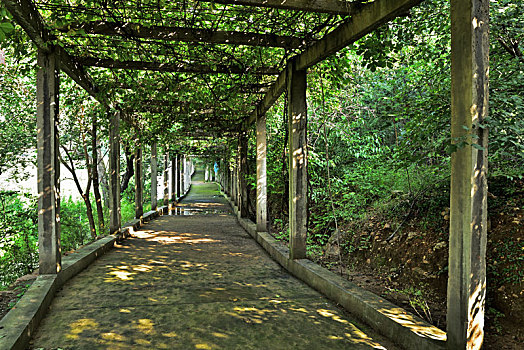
x=195, y=282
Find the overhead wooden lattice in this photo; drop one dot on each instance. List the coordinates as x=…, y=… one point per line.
x=208, y=65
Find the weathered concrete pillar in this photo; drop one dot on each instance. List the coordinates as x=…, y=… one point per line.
x=185, y=173
x=47, y=111
x=154, y=177
x=139, y=185
x=297, y=125
x=232, y=186
x=166, y=178
x=225, y=174
x=235, y=182
x=181, y=173
x=174, y=178
x=189, y=172
x=180, y=179
x=229, y=181
x=242, y=174
x=114, y=173
x=468, y=194
x=261, y=174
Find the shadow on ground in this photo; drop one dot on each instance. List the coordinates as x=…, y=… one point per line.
x=195, y=282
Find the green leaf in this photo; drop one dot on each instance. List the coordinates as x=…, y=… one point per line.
x=6, y=27
x=477, y=146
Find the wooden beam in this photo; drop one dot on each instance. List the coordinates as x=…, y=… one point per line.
x=364, y=20
x=27, y=16
x=336, y=7
x=174, y=67
x=261, y=88
x=76, y=71
x=368, y=18
x=187, y=34
x=201, y=113
x=272, y=95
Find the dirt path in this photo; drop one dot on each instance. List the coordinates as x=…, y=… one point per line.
x=195, y=282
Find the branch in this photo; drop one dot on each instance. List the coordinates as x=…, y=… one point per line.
x=513, y=51
x=71, y=168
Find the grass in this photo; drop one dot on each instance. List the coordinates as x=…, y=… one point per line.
x=19, y=230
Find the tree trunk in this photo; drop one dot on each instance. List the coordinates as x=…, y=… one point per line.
x=85, y=195
x=89, y=208
x=130, y=157
x=89, y=212
x=96, y=182
x=102, y=172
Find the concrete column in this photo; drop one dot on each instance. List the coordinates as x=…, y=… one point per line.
x=181, y=174
x=261, y=174
x=227, y=175
x=179, y=182
x=188, y=174
x=166, y=178
x=468, y=193
x=139, y=185
x=114, y=173
x=174, y=178
x=47, y=111
x=237, y=191
x=243, y=172
x=154, y=177
x=229, y=181
x=232, y=184
x=297, y=125
x=225, y=180
x=234, y=189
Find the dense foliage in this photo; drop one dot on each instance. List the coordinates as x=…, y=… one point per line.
x=379, y=120
x=378, y=132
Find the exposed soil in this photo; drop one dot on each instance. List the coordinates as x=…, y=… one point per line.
x=9, y=297
x=410, y=270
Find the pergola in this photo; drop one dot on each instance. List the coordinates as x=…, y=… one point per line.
x=148, y=56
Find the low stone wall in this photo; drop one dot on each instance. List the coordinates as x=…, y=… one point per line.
x=402, y=327
x=17, y=327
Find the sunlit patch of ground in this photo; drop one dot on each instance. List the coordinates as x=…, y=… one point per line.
x=195, y=282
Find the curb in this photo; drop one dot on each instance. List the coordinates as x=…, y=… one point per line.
x=397, y=324
x=19, y=324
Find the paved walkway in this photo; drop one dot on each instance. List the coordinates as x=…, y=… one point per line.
x=195, y=282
